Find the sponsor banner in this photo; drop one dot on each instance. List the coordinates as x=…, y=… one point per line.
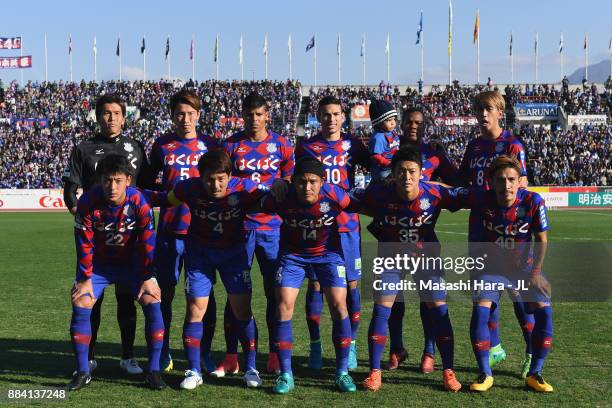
x=581, y=120
x=590, y=199
x=16, y=62
x=555, y=199
x=537, y=111
x=455, y=121
x=32, y=200
x=577, y=189
x=10, y=43
x=232, y=119
x=360, y=113
x=29, y=122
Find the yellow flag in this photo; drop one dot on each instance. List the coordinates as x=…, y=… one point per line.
x=450, y=28
x=476, y=27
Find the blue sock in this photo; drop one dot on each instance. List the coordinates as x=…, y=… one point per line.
x=493, y=325
x=443, y=334
x=154, y=333
x=271, y=321
x=192, y=336
x=80, y=333
x=210, y=324
x=341, y=336
x=541, y=338
x=314, y=307
x=396, y=327
x=353, y=303
x=284, y=344
x=247, y=333
x=229, y=330
x=479, y=334
x=526, y=320
x=428, y=330
x=166, y=311
x=377, y=334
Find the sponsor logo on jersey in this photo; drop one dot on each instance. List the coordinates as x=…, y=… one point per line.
x=490, y=213
x=499, y=147
x=271, y=148
x=346, y=145
x=232, y=200
x=99, y=151
x=128, y=147
x=424, y=203
x=201, y=145
x=324, y=207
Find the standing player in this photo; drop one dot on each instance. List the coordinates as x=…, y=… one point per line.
x=81, y=171
x=176, y=155
x=115, y=235
x=512, y=218
x=407, y=211
x=266, y=158
x=480, y=152
x=214, y=242
x=339, y=153
x=435, y=164
x=310, y=240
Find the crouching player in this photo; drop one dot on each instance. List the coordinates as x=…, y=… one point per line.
x=407, y=211
x=115, y=238
x=512, y=218
x=310, y=239
x=215, y=241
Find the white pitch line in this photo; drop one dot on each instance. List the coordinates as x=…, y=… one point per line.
x=589, y=212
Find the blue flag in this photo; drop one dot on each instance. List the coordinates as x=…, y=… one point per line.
x=310, y=44
x=420, y=29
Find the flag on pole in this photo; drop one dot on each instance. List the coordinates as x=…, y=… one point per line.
x=310, y=44
x=610, y=45
x=118, y=51
x=240, y=52
x=561, y=44
x=419, y=29
x=69, y=44
x=167, y=47
x=95, y=48
x=476, y=27
x=450, y=28
x=362, y=46
x=586, y=42
x=387, y=46
x=191, y=50
x=216, y=48
x=143, y=46
x=535, y=46
x=265, y=47
x=289, y=46
x=510, y=44
x=338, y=46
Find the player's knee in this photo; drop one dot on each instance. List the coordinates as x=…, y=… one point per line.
x=314, y=285
x=146, y=300
x=196, y=308
x=285, y=309
x=352, y=284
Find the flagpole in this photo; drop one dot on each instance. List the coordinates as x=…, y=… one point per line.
x=339, y=52
x=144, y=61
x=168, y=57
x=511, y=58
x=290, y=57
x=562, y=45
x=478, y=47
x=422, y=52
x=266, y=55
x=315, y=60
x=364, y=59
x=450, y=44
x=95, y=60
x=241, y=59
x=217, y=56
x=21, y=55
x=193, y=57
x=388, y=59
x=536, y=59
x=586, y=57
x=119, y=42
x=70, y=58
x=46, y=63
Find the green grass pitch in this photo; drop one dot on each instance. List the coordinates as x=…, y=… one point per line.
x=37, y=270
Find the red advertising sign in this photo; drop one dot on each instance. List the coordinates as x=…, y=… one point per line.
x=360, y=113
x=16, y=62
x=13, y=43
x=455, y=121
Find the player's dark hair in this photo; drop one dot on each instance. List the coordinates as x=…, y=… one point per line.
x=328, y=100
x=254, y=101
x=214, y=162
x=109, y=98
x=185, y=97
x=309, y=165
x=114, y=164
x=409, y=153
x=503, y=162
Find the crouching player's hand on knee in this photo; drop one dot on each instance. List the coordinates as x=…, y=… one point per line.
x=82, y=288
x=150, y=287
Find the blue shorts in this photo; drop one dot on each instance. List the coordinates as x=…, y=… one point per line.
x=202, y=263
x=491, y=287
x=350, y=245
x=168, y=260
x=428, y=286
x=263, y=245
x=329, y=269
x=104, y=275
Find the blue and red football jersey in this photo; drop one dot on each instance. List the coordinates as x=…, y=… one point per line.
x=339, y=158
x=383, y=146
x=114, y=235
x=261, y=162
x=310, y=230
x=480, y=152
x=216, y=223
x=437, y=163
x=405, y=221
x=177, y=159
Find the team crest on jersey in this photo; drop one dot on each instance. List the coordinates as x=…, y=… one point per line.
x=424, y=203
x=99, y=151
x=324, y=207
x=232, y=200
x=520, y=212
x=201, y=145
x=346, y=145
x=490, y=213
x=499, y=147
x=128, y=147
x=271, y=148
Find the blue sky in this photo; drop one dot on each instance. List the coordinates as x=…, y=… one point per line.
x=205, y=19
